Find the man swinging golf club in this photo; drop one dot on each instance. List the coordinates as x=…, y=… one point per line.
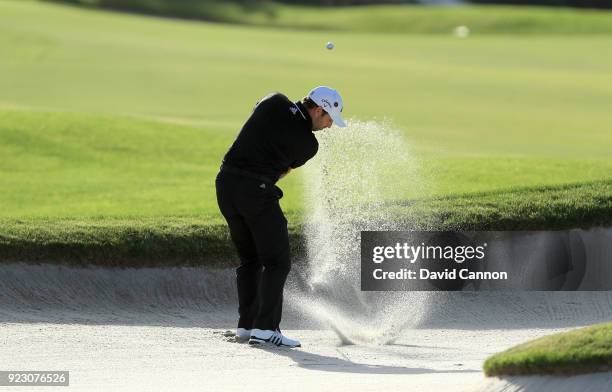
x=276, y=138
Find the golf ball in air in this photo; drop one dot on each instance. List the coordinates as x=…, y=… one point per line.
x=330, y=45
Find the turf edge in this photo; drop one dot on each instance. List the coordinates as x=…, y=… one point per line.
x=581, y=351
x=197, y=240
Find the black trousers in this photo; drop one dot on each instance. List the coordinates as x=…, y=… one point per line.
x=258, y=229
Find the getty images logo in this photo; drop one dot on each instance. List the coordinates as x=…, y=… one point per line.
x=411, y=253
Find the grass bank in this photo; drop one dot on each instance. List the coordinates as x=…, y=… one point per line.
x=113, y=126
x=60, y=165
x=404, y=19
x=201, y=240
x=585, y=350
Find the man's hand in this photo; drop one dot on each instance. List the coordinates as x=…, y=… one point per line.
x=285, y=173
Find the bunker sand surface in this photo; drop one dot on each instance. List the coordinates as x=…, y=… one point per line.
x=157, y=329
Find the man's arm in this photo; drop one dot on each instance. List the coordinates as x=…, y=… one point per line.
x=303, y=155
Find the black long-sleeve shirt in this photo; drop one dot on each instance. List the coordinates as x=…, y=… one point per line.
x=277, y=136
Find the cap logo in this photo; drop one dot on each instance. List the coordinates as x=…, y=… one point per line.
x=326, y=103
x=336, y=104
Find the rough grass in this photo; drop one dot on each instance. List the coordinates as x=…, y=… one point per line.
x=585, y=350
x=405, y=19
x=535, y=208
x=204, y=240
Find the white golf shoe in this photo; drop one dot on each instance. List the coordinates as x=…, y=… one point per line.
x=260, y=336
x=243, y=333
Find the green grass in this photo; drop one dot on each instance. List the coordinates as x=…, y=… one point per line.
x=60, y=165
x=107, y=117
x=76, y=165
x=585, y=350
x=536, y=208
x=203, y=240
x=405, y=19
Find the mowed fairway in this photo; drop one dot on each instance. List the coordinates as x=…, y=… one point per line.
x=112, y=115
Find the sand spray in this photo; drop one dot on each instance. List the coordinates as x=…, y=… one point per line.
x=356, y=172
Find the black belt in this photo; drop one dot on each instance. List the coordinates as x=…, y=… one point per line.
x=245, y=173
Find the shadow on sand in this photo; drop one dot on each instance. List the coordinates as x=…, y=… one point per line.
x=325, y=363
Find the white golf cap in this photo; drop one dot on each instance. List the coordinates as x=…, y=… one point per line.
x=330, y=100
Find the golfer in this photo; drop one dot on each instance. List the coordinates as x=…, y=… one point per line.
x=276, y=138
